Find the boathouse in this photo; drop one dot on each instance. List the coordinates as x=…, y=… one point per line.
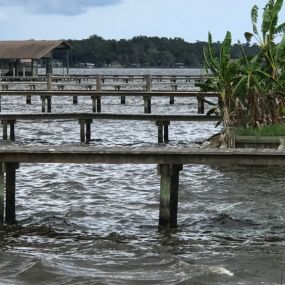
x=22, y=58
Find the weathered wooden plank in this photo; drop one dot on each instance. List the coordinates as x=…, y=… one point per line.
x=107, y=116
x=2, y=192
x=106, y=93
x=153, y=155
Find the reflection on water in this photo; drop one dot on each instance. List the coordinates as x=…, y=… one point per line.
x=97, y=224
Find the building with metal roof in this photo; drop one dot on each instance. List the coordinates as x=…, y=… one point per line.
x=15, y=52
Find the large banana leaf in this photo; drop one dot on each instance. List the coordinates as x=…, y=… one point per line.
x=280, y=29
x=225, y=52
x=254, y=16
x=280, y=50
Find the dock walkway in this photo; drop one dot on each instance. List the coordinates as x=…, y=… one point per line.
x=170, y=162
x=85, y=119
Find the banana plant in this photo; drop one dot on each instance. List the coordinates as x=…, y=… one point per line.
x=270, y=30
x=223, y=70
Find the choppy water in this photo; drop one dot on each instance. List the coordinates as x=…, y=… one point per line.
x=97, y=224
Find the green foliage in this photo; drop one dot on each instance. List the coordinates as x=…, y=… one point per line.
x=271, y=130
x=252, y=87
x=144, y=52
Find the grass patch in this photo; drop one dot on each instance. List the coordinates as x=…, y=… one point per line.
x=267, y=131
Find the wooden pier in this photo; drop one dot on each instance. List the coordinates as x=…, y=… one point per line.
x=85, y=120
x=96, y=97
x=99, y=86
x=170, y=162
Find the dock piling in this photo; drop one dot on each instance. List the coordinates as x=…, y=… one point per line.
x=147, y=104
x=5, y=130
x=98, y=82
x=123, y=100
x=96, y=104
x=201, y=105
x=85, y=130
x=10, y=210
x=12, y=129
x=162, y=134
x=28, y=99
x=169, y=184
x=11, y=124
x=2, y=191
x=75, y=100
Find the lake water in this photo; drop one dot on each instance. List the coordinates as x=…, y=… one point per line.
x=97, y=224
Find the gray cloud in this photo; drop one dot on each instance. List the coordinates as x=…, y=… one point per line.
x=60, y=7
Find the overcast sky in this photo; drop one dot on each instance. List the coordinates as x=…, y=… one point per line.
x=116, y=19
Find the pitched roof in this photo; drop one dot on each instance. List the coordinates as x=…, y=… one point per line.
x=29, y=49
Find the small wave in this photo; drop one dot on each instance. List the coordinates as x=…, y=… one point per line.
x=226, y=220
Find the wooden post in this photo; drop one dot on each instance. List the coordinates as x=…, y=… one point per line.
x=171, y=99
x=49, y=82
x=24, y=71
x=201, y=105
x=12, y=129
x=2, y=191
x=98, y=82
x=75, y=100
x=162, y=135
x=28, y=99
x=147, y=104
x=98, y=103
x=0, y=102
x=10, y=211
x=148, y=82
x=82, y=130
x=5, y=130
x=169, y=184
x=88, y=130
x=123, y=100
x=147, y=99
x=94, y=104
x=48, y=98
x=165, y=131
x=43, y=104
x=159, y=132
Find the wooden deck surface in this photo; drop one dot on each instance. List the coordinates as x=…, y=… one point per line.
x=142, y=155
x=106, y=116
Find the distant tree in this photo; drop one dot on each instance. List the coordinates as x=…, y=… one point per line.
x=145, y=51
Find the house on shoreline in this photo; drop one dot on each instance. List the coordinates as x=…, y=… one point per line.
x=22, y=58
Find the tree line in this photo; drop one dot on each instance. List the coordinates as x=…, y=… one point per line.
x=143, y=51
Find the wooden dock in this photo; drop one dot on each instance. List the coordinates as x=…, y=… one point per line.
x=99, y=86
x=96, y=97
x=85, y=120
x=170, y=162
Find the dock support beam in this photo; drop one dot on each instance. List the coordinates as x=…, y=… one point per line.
x=85, y=130
x=96, y=104
x=28, y=99
x=162, y=131
x=10, y=211
x=201, y=105
x=123, y=100
x=2, y=193
x=147, y=104
x=74, y=100
x=46, y=101
x=169, y=184
x=5, y=124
